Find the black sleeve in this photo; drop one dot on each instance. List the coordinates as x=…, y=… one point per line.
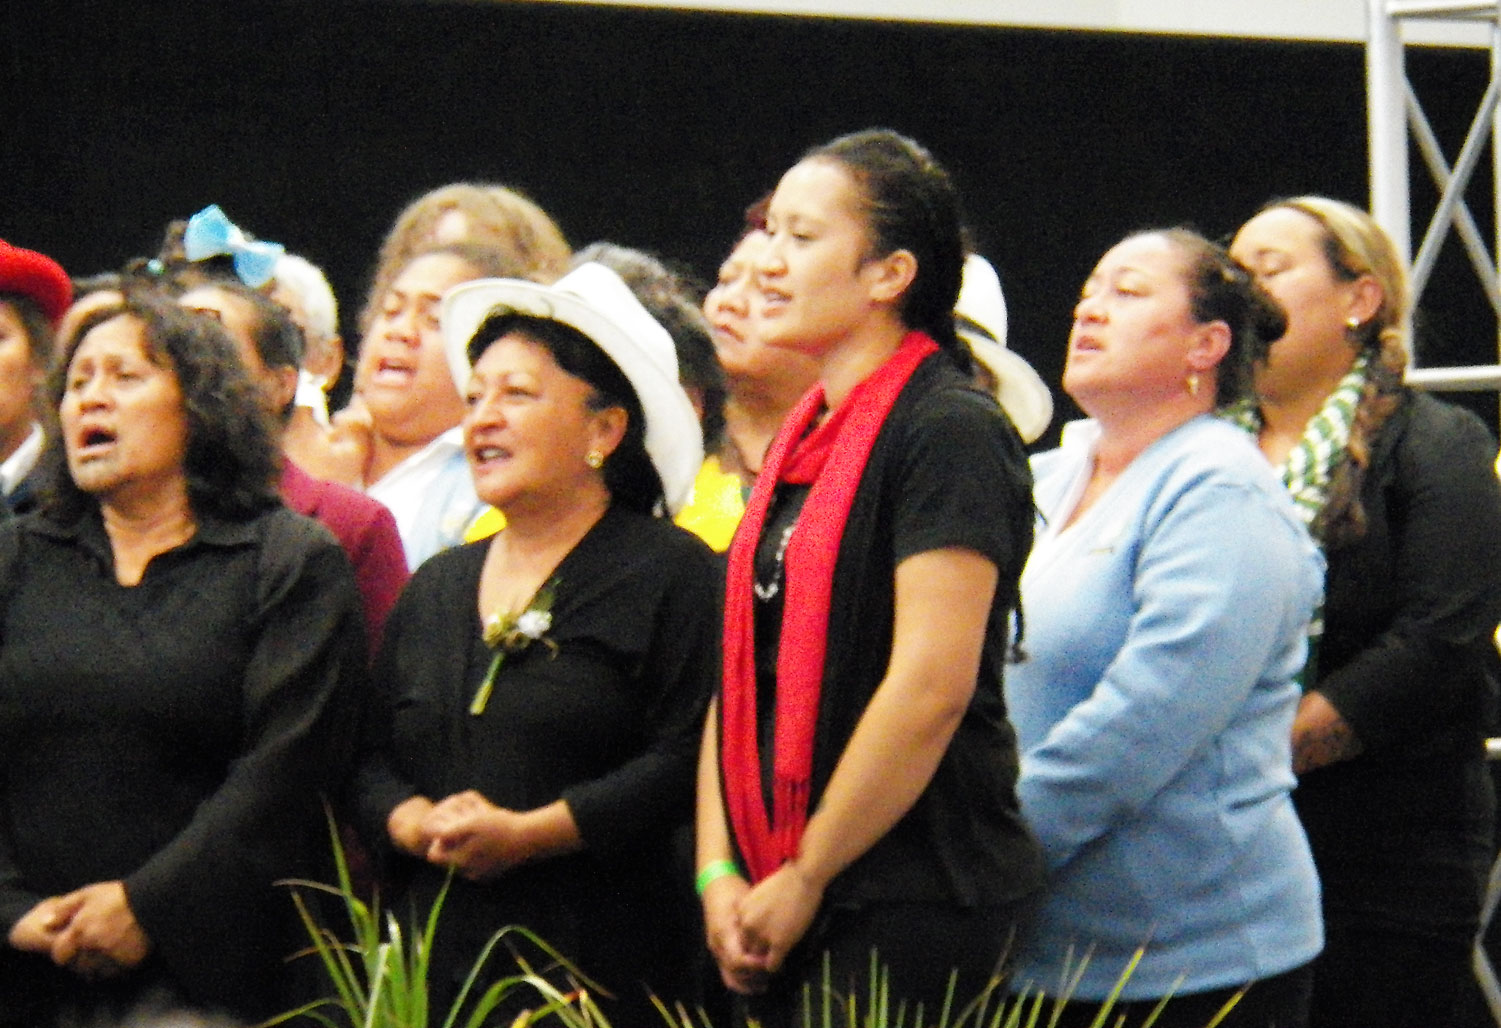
x=307, y=663
x=964, y=482
x=1444, y=515
x=376, y=787
x=15, y=898
x=646, y=794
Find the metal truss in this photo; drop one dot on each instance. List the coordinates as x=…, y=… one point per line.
x=1393, y=106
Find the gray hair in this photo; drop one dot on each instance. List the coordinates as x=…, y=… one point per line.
x=301, y=276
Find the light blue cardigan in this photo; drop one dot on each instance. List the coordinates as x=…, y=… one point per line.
x=1153, y=708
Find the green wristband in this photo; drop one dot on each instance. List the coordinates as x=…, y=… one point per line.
x=712, y=872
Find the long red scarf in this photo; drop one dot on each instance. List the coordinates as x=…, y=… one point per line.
x=832, y=457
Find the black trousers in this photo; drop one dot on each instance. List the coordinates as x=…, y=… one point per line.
x=1280, y=1001
x=1383, y=979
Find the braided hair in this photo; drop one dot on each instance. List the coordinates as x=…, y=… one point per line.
x=910, y=203
x=1355, y=245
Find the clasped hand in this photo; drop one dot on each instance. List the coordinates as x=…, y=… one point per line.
x=91, y=931
x=751, y=929
x=465, y=831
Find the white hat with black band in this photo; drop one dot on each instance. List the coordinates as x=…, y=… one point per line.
x=594, y=300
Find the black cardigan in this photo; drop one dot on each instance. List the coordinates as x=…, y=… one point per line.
x=176, y=735
x=1406, y=659
x=609, y=722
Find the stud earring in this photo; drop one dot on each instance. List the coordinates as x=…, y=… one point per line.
x=1193, y=383
x=1352, y=323
x=594, y=459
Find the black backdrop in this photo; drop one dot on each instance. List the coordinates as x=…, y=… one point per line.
x=313, y=121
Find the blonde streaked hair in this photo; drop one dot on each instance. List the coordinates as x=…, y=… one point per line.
x=1356, y=245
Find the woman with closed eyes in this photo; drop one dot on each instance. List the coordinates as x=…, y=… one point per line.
x=1167, y=601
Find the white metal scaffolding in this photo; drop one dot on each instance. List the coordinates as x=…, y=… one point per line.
x=1393, y=106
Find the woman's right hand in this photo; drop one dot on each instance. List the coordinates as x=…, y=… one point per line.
x=40, y=926
x=408, y=826
x=741, y=971
x=102, y=938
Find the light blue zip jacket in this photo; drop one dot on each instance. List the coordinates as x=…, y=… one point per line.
x=1153, y=708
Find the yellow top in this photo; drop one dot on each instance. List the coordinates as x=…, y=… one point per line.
x=715, y=506
x=487, y=524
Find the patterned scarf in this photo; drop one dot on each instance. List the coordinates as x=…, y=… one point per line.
x=1310, y=464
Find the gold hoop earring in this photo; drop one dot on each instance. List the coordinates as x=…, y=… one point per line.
x=1193, y=383
x=594, y=459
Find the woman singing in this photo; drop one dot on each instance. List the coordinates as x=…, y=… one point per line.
x=175, y=648
x=1167, y=602
x=1400, y=491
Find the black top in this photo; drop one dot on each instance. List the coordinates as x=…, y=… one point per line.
x=947, y=470
x=176, y=735
x=609, y=722
x=1402, y=832
x=23, y=498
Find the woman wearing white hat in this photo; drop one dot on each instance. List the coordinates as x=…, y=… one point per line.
x=538, y=692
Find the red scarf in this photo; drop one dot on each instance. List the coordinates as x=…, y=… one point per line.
x=832, y=457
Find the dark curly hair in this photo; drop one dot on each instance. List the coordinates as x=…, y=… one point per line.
x=232, y=461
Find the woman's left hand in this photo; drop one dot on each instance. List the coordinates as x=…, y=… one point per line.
x=103, y=937
x=776, y=913
x=1320, y=735
x=475, y=837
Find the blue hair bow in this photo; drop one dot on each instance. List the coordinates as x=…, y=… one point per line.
x=211, y=234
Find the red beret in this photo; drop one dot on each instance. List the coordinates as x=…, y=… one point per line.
x=37, y=276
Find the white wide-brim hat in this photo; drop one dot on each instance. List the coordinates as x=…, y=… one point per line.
x=592, y=299
x=1019, y=389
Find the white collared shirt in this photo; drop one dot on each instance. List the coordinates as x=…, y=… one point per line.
x=431, y=495
x=19, y=464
